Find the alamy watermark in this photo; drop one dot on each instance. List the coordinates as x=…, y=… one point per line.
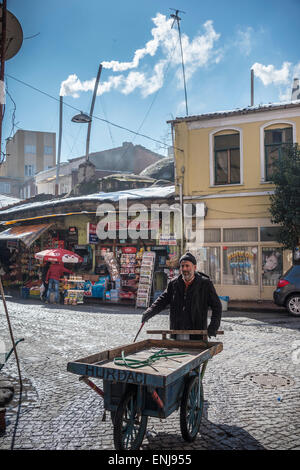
x=137, y=220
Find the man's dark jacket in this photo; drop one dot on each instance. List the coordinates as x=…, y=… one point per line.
x=188, y=308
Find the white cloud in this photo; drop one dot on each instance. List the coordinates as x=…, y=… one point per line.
x=197, y=53
x=72, y=86
x=160, y=33
x=268, y=74
x=245, y=40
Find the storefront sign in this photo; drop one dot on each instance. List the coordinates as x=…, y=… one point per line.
x=129, y=249
x=133, y=224
x=12, y=244
x=92, y=234
x=167, y=240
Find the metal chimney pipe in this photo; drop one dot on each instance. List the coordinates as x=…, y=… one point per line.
x=252, y=87
x=59, y=145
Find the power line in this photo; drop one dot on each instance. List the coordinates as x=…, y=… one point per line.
x=155, y=96
x=96, y=117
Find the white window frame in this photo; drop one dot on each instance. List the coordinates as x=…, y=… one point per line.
x=27, y=151
x=32, y=172
x=48, y=147
x=262, y=144
x=212, y=156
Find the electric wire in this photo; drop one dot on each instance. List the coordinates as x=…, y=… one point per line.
x=93, y=116
x=155, y=96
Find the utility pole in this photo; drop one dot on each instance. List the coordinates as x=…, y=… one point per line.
x=177, y=19
x=91, y=113
x=2, y=66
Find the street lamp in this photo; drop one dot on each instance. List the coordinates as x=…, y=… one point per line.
x=84, y=118
x=81, y=118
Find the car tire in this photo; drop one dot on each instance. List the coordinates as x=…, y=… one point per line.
x=293, y=305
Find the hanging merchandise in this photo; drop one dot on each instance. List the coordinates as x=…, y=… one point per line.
x=145, y=281
x=129, y=276
x=112, y=265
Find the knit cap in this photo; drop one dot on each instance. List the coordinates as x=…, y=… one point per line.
x=188, y=257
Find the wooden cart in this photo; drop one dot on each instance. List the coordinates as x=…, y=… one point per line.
x=133, y=392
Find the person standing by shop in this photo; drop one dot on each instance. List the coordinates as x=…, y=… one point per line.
x=53, y=276
x=45, y=269
x=189, y=295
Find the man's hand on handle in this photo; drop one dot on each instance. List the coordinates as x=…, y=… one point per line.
x=146, y=316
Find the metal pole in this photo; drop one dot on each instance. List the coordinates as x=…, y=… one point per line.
x=91, y=113
x=252, y=87
x=181, y=218
x=182, y=61
x=3, y=43
x=59, y=144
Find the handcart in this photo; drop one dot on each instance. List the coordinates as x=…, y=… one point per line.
x=153, y=377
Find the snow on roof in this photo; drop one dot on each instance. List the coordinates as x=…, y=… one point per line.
x=7, y=200
x=139, y=193
x=245, y=110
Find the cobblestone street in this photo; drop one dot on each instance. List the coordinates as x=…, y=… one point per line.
x=59, y=412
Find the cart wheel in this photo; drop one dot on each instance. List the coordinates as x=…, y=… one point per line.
x=129, y=427
x=190, y=412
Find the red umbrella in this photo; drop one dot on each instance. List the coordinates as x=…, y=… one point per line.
x=60, y=255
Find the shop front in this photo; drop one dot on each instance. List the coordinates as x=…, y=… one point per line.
x=244, y=262
x=131, y=270
x=18, y=246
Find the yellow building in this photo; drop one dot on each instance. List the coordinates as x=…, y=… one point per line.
x=225, y=161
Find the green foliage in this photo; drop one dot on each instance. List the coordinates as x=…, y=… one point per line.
x=285, y=203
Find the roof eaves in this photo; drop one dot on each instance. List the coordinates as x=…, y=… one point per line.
x=236, y=112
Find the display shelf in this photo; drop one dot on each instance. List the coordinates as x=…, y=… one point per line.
x=145, y=280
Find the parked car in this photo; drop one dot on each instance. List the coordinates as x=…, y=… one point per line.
x=287, y=293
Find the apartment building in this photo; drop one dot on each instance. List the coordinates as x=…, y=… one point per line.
x=27, y=153
x=225, y=160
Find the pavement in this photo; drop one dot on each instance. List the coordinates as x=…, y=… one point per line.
x=251, y=389
x=254, y=306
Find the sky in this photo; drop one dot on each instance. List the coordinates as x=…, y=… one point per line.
x=141, y=83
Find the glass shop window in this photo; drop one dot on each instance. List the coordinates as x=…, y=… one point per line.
x=271, y=266
x=240, y=265
x=268, y=234
x=240, y=235
x=208, y=262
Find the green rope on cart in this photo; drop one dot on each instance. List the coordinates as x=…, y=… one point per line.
x=136, y=364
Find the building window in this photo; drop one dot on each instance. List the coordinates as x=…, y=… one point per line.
x=276, y=141
x=30, y=149
x=271, y=266
x=240, y=235
x=208, y=262
x=4, y=187
x=212, y=235
x=269, y=234
x=240, y=265
x=48, y=150
x=227, y=159
x=29, y=170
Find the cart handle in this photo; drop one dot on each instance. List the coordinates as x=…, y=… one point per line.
x=182, y=332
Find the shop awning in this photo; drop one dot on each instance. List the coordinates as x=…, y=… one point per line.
x=25, y=233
